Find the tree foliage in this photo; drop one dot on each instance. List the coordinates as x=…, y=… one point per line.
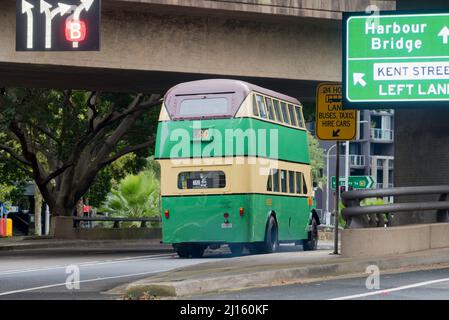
x=316, y=160
x=62, y=139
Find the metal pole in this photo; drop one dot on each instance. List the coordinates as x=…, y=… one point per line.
x=328, y=193
x=347, y=166
x=337, y=198
x=47, y=220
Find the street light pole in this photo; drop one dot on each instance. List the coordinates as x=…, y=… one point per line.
x=347, y=166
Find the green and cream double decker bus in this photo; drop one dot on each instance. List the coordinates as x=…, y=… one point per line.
x=235, y=169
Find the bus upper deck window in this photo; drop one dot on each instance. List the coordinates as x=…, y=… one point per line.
x=201, y=180
x=277, y=110
x=270, y=108
x=261, y=105
x=283, y=181
x=276, y=180
x=284, y=112
x=292, y=114
x=203, y=107
x=299, y=116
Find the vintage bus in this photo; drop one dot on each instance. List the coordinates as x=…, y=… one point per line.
x=235, y=169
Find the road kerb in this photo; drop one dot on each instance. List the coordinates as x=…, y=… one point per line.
x=214, y=284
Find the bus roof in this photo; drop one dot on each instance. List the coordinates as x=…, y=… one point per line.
x=224, y=85
x=238, y=89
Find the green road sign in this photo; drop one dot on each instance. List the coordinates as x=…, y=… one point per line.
x=356, y=182
x=395, y=60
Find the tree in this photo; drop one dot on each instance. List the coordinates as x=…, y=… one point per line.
x=135, y=196
x=316, y=160
x=64, y=138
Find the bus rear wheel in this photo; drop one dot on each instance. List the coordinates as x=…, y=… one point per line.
x=236, y=249
x=312, y=242
x=271, y=242
x=191, y=250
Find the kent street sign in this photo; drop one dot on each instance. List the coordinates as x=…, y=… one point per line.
x=58, y=25
x=395, y=59
x=356, y=182
x=332, y=122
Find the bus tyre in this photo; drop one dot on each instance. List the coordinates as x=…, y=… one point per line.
x=197, y=251
x=312, y=242
x=182, y=251
x=236, y=249
x=271, y=242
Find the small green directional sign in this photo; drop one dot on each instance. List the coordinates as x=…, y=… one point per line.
x=395, y=60
x=356, y=182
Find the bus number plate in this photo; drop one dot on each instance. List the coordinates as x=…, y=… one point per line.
x=226, y=225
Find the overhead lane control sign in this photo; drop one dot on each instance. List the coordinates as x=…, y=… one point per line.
x=395, y=60
x=332, y=122
x=58, y=25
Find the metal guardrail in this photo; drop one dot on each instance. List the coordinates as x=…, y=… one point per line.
x=143, y=221
x=378, y=216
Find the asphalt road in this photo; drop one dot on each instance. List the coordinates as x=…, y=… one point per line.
x=42, y=274
x=416, y=285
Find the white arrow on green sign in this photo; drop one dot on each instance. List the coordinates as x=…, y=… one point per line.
x=356, y=182
x=395, y=59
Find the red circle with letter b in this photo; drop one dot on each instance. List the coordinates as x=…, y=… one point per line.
x=75, y=30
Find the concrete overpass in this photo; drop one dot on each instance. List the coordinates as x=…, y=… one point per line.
x=149, y=45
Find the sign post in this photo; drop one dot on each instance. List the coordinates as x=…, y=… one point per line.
x=395, y=59
x=335, y=124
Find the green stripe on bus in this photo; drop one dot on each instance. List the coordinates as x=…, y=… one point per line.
x=230, y=137
x=201, y=219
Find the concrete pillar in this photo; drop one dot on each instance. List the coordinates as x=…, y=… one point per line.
x=421, y=140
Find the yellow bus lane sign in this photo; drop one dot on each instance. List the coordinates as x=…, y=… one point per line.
x=332, y=121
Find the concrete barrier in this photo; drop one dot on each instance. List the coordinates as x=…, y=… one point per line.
x=62, y=228
x=369, y=242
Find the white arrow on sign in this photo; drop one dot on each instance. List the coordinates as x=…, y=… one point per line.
x=27, y=8
x=62, y=9
x=445, y=34
x=85, y=5
x=358, y=79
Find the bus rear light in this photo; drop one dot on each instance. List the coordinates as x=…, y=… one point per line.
x=242, y=211
x=167, y=214
x=310, y=201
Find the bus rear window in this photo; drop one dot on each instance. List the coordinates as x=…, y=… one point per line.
x=201, y=180
x=204, y=107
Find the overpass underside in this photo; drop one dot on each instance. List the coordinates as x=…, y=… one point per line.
x=150, y=45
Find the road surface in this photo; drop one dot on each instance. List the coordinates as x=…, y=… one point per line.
x=415, y=285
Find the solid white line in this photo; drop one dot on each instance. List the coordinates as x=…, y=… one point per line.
x=88, y=264
x=415, y=285
x=82, y=281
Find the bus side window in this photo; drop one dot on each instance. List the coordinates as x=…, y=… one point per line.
x=291, y=181
x=261, y=105
x=277, y=110
x=269, y=108
x=276, y=180
x=284, y=112
x=255, y=107
x=299, y=116
x=270, y=182
x=304, y=185
x=291, y=110
x=283, y=181
x=298, y=182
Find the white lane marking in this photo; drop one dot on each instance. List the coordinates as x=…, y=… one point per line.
x=82, y=281
x=88, y=263
x=385, y=291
